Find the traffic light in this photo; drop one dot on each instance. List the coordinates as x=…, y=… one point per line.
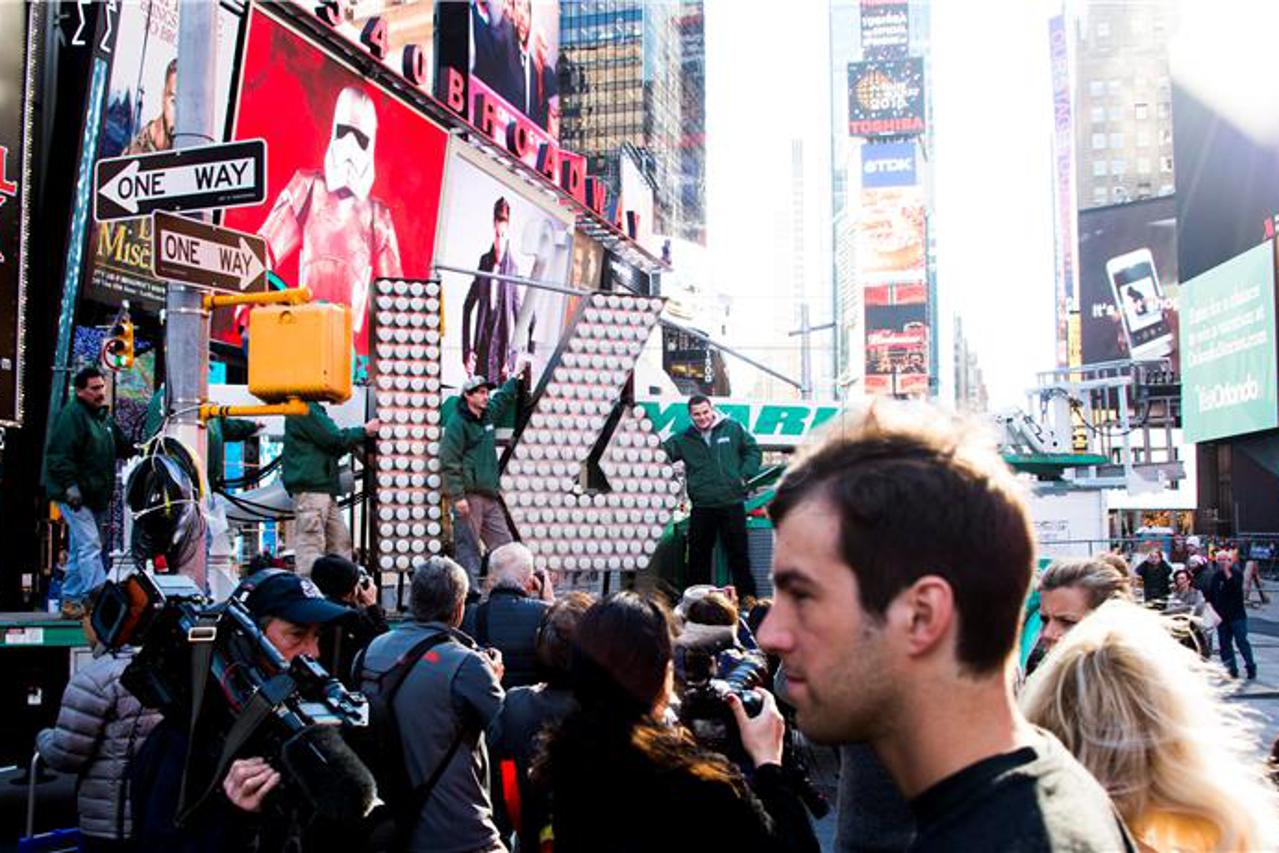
x=118, y=350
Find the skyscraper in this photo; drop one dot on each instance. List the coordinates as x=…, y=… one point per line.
x=633, y=71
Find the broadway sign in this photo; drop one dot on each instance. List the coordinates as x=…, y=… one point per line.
x=226, y=175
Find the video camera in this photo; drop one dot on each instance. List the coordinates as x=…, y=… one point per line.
x=704, y=700
x=301, y=707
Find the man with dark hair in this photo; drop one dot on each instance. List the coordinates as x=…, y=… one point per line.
x=492, y=306
x=904, y=553
x=157, y=134
x=719, y=457
x=79, y=475
x=1156, y=577
x=343, y=582
x=444, y=704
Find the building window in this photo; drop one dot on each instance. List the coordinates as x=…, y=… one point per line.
x=1164, y=110
x=1120, y=193
x=1141, y=112
x=1116, y=113
x=1098, y=141
x=1112, y=87
x=1116, y=140
x=1165, y=165
x=1096, y=88
x=1098, y=115
x=1118, y=168
x=1165, y=137
x=1143, y=139
x=1099, y=168
x=1100, y=195
x=1143, y=165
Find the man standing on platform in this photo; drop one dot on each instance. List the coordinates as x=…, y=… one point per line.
x=313, y=446
x=79, y=474
x=719, y=457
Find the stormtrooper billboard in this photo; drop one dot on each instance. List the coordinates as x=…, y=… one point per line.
x=353, y=176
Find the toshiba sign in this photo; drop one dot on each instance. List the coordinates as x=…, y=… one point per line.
x=886, y=98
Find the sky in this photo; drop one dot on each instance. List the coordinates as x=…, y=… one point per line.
x=768, y=82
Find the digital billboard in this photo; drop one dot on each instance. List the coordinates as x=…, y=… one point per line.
x=891, y=236
x=886, y=98
x=1228, y=344
x=897, y=350
x=888, y=164
x=139, y=119
x=515, y=46
x=353, y=177
x=490, y=226
x=885, y=26
x=1128, y=281
x=15, y=160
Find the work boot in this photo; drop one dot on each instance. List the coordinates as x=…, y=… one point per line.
x=1252, y=673
x=72, y=610
x=1234, y=673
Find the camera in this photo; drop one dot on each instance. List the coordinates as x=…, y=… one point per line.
x=165, y=616
x=704, y=705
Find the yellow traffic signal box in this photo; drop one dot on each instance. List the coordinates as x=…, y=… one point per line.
x=301, y=351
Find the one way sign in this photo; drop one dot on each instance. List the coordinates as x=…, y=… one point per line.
x=190, y=251
x=226, y=175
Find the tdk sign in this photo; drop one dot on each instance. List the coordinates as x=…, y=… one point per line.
x=888, y=164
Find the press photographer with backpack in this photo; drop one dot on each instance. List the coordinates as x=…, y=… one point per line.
x=432, y=694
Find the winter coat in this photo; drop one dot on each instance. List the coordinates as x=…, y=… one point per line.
x=468, y=453
x=717, y=470
x=1226, y=594
x=218, y=431
x=100, y=727
x=610, y=794
x=313, y=446
x=508, y=621
x=515, y=737
x=83, y=447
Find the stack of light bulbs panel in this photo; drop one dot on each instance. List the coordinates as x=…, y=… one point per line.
x=408, y=511
x=577, y=533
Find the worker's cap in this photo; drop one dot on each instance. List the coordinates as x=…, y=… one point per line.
x=282, y=594
x=476, y=382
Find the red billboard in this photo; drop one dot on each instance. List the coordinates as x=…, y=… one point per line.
x=353, y=176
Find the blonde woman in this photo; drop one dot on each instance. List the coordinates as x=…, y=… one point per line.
x=1148, y=719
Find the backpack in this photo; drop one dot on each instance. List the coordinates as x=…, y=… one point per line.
x=381, y=748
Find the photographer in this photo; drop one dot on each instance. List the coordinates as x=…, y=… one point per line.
x=343, y=582
x=241, y=815
x=615, y=772
x=507, y=620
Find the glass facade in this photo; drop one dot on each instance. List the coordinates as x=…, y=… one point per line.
x=622, y=80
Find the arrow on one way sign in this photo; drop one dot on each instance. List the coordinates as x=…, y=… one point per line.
x=190, y=251
x=224, y=175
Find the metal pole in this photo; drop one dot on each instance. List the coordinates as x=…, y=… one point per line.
x=805, y=353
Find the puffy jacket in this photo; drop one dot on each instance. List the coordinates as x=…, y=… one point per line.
x=508, y=622
x=468, y=453
x=83, y=446
x=100, y=727
x=717, y=471
x=451, y=689
x=219, y=431
x=313, y=445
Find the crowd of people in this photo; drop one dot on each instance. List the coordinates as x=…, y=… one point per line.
x=520, y=719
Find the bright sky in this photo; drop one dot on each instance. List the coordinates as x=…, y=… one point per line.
x=768, y=82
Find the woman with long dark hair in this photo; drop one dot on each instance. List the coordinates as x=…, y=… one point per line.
x=621, y=779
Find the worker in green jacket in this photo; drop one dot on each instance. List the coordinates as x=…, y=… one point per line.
x=79, y=475
x=468, y=460
x=719, y=457
x=313, y=447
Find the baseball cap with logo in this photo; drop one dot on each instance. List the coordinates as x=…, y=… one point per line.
x=284, y=595
x=476, y=382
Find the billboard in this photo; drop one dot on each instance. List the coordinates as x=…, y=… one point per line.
x=491, y=226
x=891, y=236
x=1228, y=340
x=888, y=164
x=353, y=176
x=897, y=350
x=1128, y=281
x=140, y=113
x=886, y=98
x=885, y=28
x=15, y=158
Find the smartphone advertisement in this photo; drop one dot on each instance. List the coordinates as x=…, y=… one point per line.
x=1128, y=282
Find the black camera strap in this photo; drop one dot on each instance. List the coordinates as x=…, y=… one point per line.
x=201, y=638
